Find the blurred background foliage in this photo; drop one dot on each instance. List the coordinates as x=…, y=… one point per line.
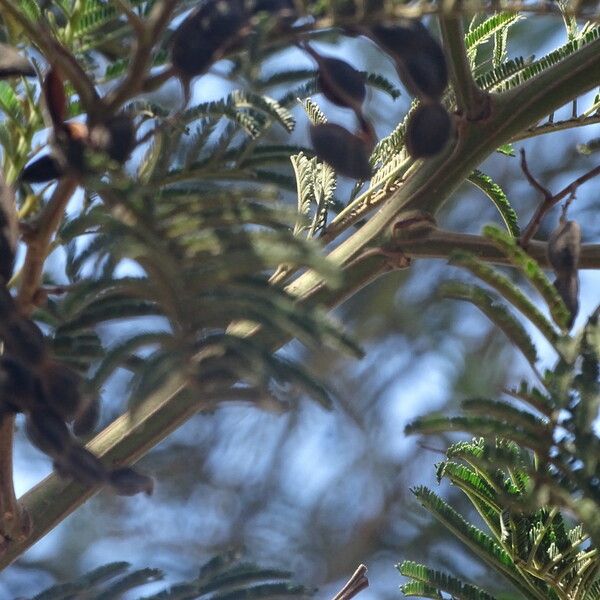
x=315, y=491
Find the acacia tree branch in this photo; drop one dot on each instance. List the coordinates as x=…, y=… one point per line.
x=38, y=241
x=428, y=188
x=146, y=38
x=471, y=100
x=550, y=199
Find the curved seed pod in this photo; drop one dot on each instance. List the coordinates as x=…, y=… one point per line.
x=564, y=247
x=62, y=390
x=87, y=420
x=46, y=168
x=568, y=288
x=9, y=230
x=340, y=82
x=17, y=386
x=24, y=340
x=418, y=56
x=13, y=64
x=55, y=97
x=47, y=431
x=204, y=35
x=80, y=464
x=128, y=482
x=427, y=131
x=347, y=153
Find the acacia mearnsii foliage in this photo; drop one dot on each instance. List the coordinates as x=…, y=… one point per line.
x=187, y=187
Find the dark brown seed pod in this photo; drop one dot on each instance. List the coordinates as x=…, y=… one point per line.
x=48, y=432
x=62, y=389
x=427, y=131
x=55, y=97
x=418, y=56
x=340, y=82
x=83, y=466
x=128, y=482
x=205, y=34
x=564, y=247
x=13, y=64
x=347, y=153
x=17, y=385
x=46, y=168
x=568, y=288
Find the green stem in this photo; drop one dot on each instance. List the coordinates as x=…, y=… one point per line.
x=471, y=100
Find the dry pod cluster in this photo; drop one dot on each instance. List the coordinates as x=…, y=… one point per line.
x=564, y=247
x=73, y=142
x=48, y=392
x=348, y=153
x=421, y=65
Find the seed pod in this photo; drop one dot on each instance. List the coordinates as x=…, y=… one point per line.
x=427, y=131
x=418, y=56
x=62, y=389
x=17, y=385
x=55, y=97
x=24, y=340
x=204, y=36
x=47, y=431
x=13, y=64
x=340, y=82
x=45, y=168
x=564, y=247
x=347, y=153
x=9, y=230
x=86, y=421
x=568, y=288
x=128, y=482
x=80, y=464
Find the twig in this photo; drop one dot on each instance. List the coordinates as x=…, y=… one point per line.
x=134, y=20
x=14, y=522
x=355, y=585
x=133, y=81
x=550, y=199
x=39, y=241
x=472, y=101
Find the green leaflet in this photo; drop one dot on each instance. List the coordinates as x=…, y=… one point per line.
x=496, y=194
x=443, y=582
x=496, y=312
x=533, y=272
x=223, y=577
x=488, y=29
x=508, y=290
